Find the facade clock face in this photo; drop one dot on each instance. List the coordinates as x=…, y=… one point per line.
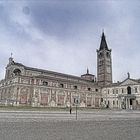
x=108, y=69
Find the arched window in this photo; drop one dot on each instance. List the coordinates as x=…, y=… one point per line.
x=113, y=102
x=96, y=90
x=45, y=83
x=101, y=99
x=75, y=87
x=89, y=89
x=136, y=90
x=107, y=54
x=128, y=90
x=17, y=72
x=61, y=85
x=100, y=55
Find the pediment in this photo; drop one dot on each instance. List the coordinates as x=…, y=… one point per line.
x=129, y=82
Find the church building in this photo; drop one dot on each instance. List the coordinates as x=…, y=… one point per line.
x=27, y=86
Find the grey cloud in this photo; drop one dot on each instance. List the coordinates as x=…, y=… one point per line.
x=68, y=32
x=65, y=19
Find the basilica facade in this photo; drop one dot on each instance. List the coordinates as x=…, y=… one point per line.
x=26, y=86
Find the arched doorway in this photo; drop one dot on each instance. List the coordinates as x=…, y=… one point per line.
x=129, y=90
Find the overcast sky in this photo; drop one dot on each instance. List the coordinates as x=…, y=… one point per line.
x=63, y=35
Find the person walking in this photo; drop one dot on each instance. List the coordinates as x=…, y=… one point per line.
x=70, y=110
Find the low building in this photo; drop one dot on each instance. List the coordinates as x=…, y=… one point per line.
x=123, y=95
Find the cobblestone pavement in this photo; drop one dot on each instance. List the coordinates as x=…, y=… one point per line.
x=97, y=125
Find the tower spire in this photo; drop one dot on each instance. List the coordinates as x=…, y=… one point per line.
x=103, y=44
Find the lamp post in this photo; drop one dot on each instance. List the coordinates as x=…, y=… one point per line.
x=17, y=96
x=70, y=104
x=76, y=111
x=76, y=103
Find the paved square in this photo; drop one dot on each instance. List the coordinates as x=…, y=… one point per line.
x=100, y=125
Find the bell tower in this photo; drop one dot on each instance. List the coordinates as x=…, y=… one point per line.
x=104, y=63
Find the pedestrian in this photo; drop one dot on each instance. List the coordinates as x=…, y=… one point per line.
x=70, y=109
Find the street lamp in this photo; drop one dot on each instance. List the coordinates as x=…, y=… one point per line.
x=76, y=101
x=70, y=104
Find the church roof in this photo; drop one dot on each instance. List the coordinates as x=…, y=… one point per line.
x=52, y=74
x=18, y=64
x=103, y=44
x=129, y=81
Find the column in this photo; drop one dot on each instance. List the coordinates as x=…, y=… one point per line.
x=129, y=104
x=119, y=103
x=126, y=103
